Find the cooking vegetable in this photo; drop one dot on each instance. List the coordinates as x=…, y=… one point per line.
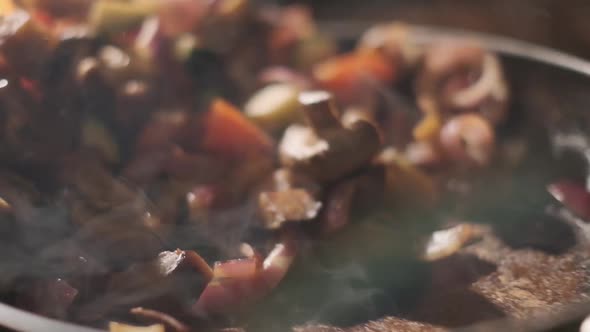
x=573, y=196
x=274, y=106
x=463, y=78
x=326, y=150
x=239, y=281
x=468, y=139
x=279, y=207
x=119, y=144
x=228, y=133
x=447, y=242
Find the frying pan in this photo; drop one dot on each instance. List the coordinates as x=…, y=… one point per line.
x=552, y=88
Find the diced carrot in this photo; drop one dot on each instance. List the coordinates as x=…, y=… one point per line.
x=344, y=74
x=229, y=133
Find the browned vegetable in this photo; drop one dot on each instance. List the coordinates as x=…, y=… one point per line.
x=287, y=196
x=468, y=139
x=326, y=150
x=290, y=205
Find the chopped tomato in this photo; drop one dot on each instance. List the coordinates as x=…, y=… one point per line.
x=229, y=133
x=345, y=74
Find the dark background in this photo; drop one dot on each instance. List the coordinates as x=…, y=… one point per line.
x=563, y=24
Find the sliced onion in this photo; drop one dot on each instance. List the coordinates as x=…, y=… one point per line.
x=573, y=195
x=236, y=282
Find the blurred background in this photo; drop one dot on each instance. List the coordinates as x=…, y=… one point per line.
x=562, y=24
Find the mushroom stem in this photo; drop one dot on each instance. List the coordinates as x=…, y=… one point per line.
x=319, y=110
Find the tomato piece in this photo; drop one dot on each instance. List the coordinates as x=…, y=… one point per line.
x=229, y=133
x=345, y=74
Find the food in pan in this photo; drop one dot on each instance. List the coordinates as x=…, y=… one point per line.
x=166, y=164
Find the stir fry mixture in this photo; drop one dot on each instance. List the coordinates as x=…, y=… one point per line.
x=162, y=162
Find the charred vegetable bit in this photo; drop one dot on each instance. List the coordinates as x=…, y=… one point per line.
x=325, y=149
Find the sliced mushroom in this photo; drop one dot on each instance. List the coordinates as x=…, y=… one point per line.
x=290, y=205
x=326, y=150
x=287, y=197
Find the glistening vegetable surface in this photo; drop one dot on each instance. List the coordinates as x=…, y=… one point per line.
x=128, y=140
